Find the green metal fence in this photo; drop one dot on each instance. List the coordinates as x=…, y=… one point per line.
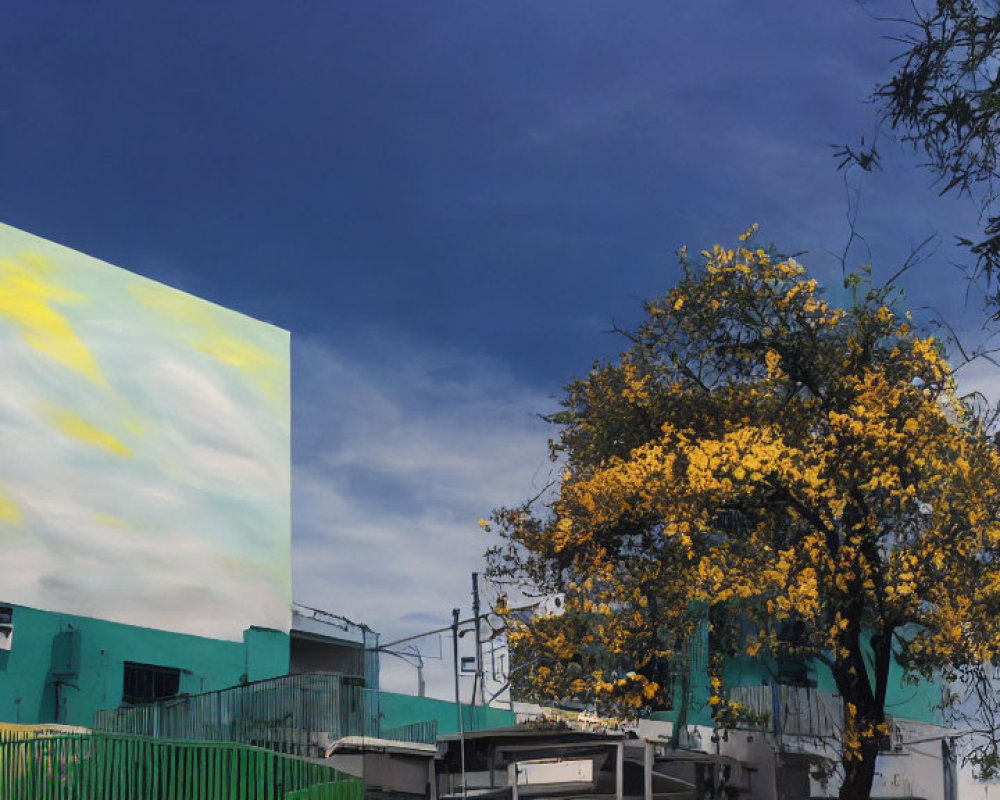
x=423, y=732
x=295, y=714
x=115, y=767
x=336, y=790
x=298, y=714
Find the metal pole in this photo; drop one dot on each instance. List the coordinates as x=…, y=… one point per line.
x=479, y=647
x=620, y=771
x=458, y=700
x=647, y=769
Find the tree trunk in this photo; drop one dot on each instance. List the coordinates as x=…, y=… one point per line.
x=864, y=711
x=859, y=773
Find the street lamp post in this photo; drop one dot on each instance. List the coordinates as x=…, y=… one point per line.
x=458, y=701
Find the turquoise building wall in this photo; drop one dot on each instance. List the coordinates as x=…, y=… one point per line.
x=28, y=695
x=403, y=709
x=918, y=700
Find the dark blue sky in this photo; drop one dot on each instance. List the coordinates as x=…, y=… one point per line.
x=447, y=203
x=509, y=176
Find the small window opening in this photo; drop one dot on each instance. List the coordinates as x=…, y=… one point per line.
x=6, y=627
x=145, y=683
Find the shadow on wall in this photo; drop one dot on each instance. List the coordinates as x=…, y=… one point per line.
x=64, y=672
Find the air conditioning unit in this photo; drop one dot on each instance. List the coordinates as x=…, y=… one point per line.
x=552, y=606
x=896, y=738
x=65, y=666
x=894, y=743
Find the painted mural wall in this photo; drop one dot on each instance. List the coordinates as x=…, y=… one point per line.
x=144, y=449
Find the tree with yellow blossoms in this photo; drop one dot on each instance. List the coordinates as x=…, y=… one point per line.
x=763, y=459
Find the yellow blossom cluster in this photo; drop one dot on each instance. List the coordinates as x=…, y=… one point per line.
x=759, y=450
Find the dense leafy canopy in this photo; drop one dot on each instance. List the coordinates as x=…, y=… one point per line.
x=758, y=451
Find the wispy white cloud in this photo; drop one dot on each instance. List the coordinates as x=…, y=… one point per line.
x=982, y=377
x=397, y=456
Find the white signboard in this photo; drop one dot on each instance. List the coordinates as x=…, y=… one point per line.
x=551, y=771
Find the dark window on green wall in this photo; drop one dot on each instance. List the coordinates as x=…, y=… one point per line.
x=6, y=627
x=145, y=683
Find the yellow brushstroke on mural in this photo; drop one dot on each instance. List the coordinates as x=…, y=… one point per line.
x=135, y=426
x=9, y=511
x=111, y=520
x=241, y=355
x=81, y=430
x=208, y=332
x=259, y=366
x=255, y=567
x=26, y=297
x=184, y=309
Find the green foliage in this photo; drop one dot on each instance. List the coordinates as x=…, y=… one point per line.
x=944, y=99
x=780, y=463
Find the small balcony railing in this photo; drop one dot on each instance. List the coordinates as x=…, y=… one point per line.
x=791, y=710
